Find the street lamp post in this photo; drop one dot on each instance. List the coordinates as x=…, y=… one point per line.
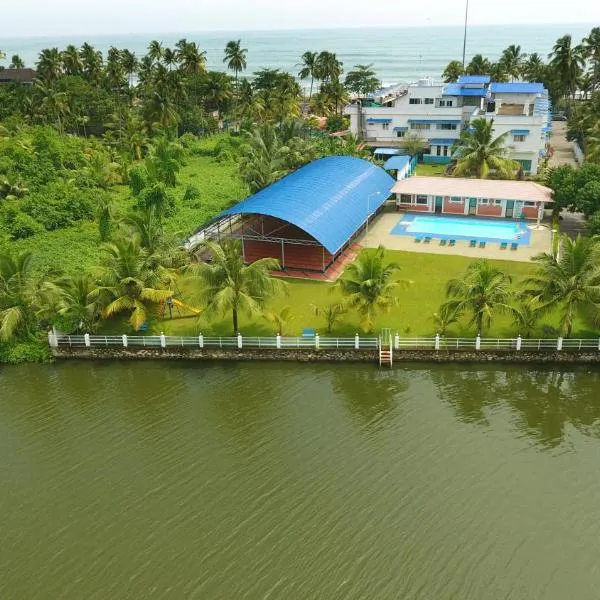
x=369, y=208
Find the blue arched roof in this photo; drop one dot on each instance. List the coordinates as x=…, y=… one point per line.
x=329, y=198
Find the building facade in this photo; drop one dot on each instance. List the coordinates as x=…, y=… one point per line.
x=474, y=197
x=438, y=113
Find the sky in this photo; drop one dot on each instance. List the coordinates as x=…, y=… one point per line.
x=67, y=17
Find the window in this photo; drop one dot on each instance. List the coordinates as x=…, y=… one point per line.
x=438, y=150
x=529, y=203
x=428, y=100
x=405, y=199
x=483, y=201
x=420, y=126
x=519, y=138
x=446, y=150
x=444, y=103
x=447, y=126
x=400, y=134
x=415, y=100
x=422, y=200
x=456, y=200
x=497, y=202
x=385, y=126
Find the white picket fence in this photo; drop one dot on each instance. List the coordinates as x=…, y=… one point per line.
x=357, y=342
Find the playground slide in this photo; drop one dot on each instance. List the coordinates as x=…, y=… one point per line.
x=196, y=311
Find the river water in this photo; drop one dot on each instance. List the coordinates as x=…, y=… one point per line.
x=297, y=482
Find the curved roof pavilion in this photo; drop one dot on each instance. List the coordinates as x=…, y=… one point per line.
x=329, y=199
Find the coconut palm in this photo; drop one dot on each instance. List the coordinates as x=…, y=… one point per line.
x=218, y=90
x=156, y=51
x=129, y=64
x=21, y=296
x=249, y=103
x=332, y=313
x=54, y=104
x=570, y=283
x=591, y=48
x=235, y=57
x=163, y=113
x=453, y=71
x=261, y=161
x=534, y=68
x=16, y=62
x=478, y=66
x=328, y=67
x=482, y=292
x=568, y=61
x=479, y=154
x=512, y=61
x=92, y=63
x=280, y=318
x=75, y=301
x=49, y=65
x=230, y=286
x=191, y=60
x=102, y=171
x=368, y=285
x=71, y=60
x=309, y=68
x=128, y=284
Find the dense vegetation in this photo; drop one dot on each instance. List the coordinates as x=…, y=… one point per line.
x=108, y=162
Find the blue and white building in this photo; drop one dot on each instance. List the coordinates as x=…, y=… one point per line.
x=438, y=112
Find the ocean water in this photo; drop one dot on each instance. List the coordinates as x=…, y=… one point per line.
x=397, y=54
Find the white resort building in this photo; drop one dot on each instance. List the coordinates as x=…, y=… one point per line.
x=438, y=112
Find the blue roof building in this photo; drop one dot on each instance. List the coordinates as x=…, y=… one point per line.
x=307, y=218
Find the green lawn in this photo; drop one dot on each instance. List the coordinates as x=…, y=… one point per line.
x=430, y=170
x=412, y=317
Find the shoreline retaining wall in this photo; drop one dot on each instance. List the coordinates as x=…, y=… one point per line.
x=304, y=355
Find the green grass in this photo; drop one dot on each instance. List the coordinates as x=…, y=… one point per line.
x=412, y=317
x=430, y=170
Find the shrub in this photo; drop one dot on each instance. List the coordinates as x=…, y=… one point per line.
x=21, y=226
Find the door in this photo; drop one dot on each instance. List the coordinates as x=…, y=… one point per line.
x=510, y=209
x=472, y=206
x=439, y=204
x=518, y=210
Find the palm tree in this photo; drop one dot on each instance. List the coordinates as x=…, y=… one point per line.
x=568, y=61
x=570, y=283
x=229, y=285
x=49, y=65
x=16, y=62
x=163, y=112
x=156, y=51
x=129, y=64
x=591, y=49
x=332, y=313
x=261, y=161
x=478, y=66
x=478, y=153
x=71, y=60
x=368, y=286
x=170, y=57
x=534, y=67
x=75, y=301
x=482, y=292
x=106, y=210
x=328, y=67
x=218, y=90
x=191, y=59
x=281, y=319
x=362, y=80
x=164, y=161
x=128, y=284
x=54, y=103
x=512, y=61
x=20, y=296
x=235, y=57
x=249, y=105
x=92, y=63
x=309, y=68
x=453, y=71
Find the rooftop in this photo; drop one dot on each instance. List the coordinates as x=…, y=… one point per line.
x=517, y=87
x=474, y=79
x=526, y=191
x=23, y=75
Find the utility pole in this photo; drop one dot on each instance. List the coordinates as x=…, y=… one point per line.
x=465, y=36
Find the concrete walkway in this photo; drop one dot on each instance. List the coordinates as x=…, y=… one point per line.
x=563, y=149
x=380, y=233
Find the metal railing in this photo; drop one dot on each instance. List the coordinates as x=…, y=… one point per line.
x=437, y=343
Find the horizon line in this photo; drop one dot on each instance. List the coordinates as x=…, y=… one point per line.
x=296, y=29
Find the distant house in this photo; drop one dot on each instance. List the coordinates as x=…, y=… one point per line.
x=438, y=112
x=24, y=76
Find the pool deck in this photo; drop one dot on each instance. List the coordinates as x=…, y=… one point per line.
x=380, y=233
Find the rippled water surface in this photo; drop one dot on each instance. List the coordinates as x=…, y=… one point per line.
x=297, y=482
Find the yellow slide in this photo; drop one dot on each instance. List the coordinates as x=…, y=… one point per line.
x=180, y=304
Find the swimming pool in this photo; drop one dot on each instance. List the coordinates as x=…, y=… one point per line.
x=457, y=228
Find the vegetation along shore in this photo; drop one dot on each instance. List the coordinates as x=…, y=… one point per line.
x=109, y=163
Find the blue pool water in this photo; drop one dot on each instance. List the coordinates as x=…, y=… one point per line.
x=457, y=228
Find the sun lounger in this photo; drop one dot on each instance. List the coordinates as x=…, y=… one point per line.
x=482, y=244
x=452, y=243
x=473, y=244
x=418, y=240
x=514, y=246
x=427, y=240
x=443, y=242
x=503, y=245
